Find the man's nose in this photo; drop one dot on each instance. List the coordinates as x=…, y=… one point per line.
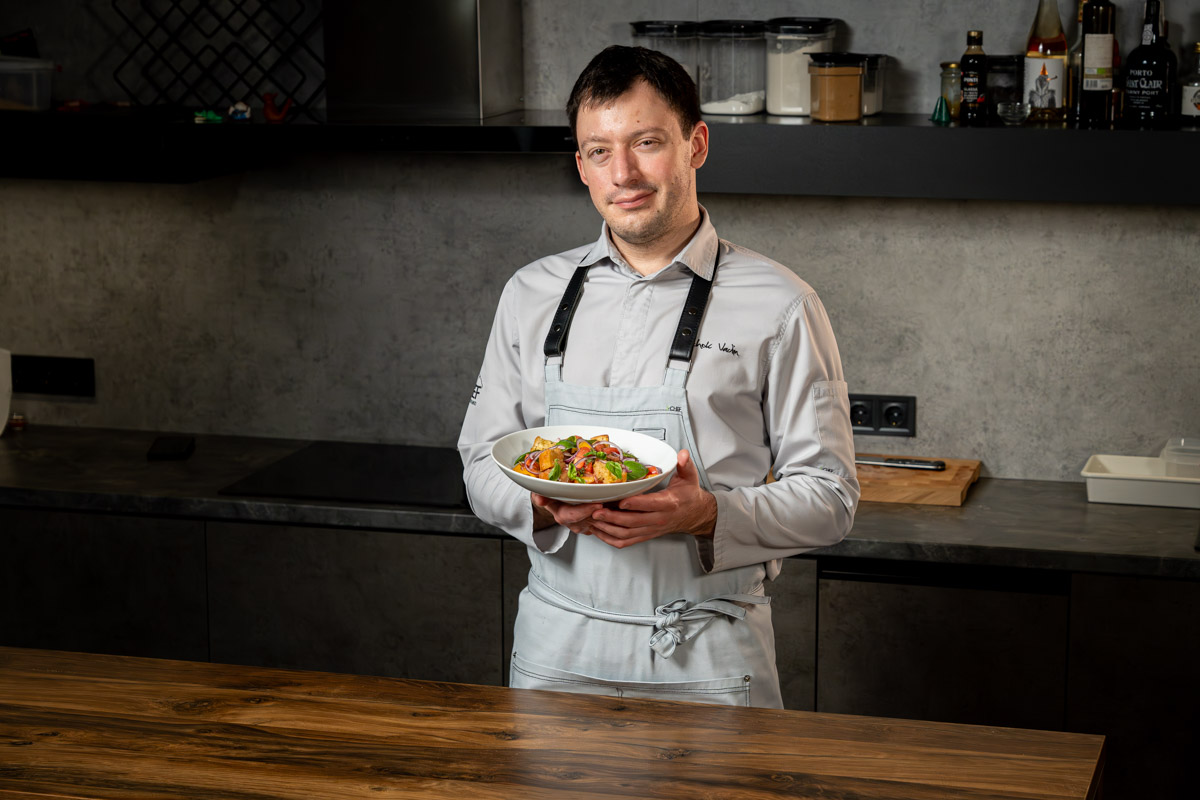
x=625, y=167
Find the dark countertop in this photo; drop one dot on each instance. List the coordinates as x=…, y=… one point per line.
x=1003, y=523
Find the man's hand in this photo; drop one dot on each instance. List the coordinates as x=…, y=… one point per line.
x=683, y=507
x=577, y=519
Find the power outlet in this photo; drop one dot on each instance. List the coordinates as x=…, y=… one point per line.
x=69, y=377
x=883, y=414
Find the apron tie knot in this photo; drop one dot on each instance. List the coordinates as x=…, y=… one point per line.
x=678, y=621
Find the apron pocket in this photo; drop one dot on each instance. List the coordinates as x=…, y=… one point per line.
x=733, y=691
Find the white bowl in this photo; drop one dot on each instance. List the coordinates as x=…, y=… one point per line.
x=647, y=449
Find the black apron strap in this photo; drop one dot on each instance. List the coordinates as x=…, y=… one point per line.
x=689, y=320
x=556, y=339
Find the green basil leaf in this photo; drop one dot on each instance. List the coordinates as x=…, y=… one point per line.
x=521, y=458
x=569, y=443
x=555, y=471
x=635, y=469
x=614, y=468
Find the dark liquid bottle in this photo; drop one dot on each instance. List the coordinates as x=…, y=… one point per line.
x=1150, y=76
x=974, y=110
x=1096, y=87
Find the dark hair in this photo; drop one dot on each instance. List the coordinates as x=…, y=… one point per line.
x=617, y=68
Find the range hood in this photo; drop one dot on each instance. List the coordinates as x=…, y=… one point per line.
x=449, y=60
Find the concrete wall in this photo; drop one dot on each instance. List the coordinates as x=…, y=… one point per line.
x=349, y=296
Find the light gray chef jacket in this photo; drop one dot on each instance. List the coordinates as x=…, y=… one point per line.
x=766, y=392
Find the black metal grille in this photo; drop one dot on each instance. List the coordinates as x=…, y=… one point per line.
x=210, y=54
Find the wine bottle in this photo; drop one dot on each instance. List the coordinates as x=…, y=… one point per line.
x=1150, y=75
x=1189, y=100
x=1046, y=65
x=1075, y=66
x=974, y=110
x=1096, y=86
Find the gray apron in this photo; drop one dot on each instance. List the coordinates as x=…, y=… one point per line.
x=645, y=620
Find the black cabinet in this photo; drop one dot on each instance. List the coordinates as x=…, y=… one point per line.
x=396, y=604
x=103, y=584
x=945, y=643
x=1135, y=677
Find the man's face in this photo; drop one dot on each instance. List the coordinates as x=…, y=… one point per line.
x=639, y=167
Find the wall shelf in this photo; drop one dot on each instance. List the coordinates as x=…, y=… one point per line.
x=893, y=155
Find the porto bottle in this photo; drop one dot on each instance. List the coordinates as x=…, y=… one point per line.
x=1150, y=75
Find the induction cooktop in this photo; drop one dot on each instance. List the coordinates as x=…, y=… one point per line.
x=362, y=473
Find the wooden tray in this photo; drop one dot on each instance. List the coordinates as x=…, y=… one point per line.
x=895, y=485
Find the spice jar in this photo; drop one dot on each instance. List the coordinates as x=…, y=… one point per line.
x=952, y=87
x=873, y=83
x=732, y=55
x=789, y=40
x=675, y=38
x=837, y=80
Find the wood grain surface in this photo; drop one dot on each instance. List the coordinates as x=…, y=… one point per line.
x=897, y=485
x=93, y=726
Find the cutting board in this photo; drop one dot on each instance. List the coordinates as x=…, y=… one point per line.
x=895, y=485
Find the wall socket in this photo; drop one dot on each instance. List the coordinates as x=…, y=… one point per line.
x=883, y=414
x=68, y=377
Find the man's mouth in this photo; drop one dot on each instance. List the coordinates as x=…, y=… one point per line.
x=633, y=201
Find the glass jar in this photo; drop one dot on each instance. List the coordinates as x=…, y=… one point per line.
x=732, y=56
x=789, y=40
x=952, y=87
x=837, y=81
x=1005, y=79
x=675, y=38
x=872, y=91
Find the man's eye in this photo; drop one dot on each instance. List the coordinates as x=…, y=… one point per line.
x=597, y=153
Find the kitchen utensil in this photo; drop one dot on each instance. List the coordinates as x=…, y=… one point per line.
x=648, y=449
x=902, y=463
x=898, y=484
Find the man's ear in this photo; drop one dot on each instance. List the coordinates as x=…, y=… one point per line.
x=579, y=166
x=699, y=145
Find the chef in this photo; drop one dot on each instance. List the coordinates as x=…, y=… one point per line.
x=660, y=326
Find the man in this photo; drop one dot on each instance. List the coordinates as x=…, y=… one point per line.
x=723, y=353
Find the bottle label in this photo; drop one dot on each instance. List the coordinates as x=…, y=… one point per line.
x=1097, y=62
x=1189, y=104
x=1044, y=81
x=1146, y=88
x=972, y=87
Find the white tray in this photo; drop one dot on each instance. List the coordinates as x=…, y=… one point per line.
x=1136, y=480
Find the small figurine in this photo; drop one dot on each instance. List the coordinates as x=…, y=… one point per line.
x=206, y=118
x=941, y=113
x=273, y=113
x=239, y=112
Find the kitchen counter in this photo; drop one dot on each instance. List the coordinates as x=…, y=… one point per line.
x=1003, y=523
x=96, y=726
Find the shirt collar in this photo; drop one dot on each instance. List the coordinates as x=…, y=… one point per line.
x=698, y=255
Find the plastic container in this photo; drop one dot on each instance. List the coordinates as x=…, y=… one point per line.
x=1181, y=456
x=789, y=41
x=732, y=66
x=675, y=38
x=25, y=84
x=1139, y=481
x=837, y=82
x=1005, y=80
x=873, y=75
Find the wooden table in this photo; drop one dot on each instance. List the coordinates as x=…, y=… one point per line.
x=92, y=726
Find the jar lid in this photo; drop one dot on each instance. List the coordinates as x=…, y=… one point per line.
x=802, y=25
x=949, y=65
x=837, y=59
x=732, y=28
x=666, y=28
